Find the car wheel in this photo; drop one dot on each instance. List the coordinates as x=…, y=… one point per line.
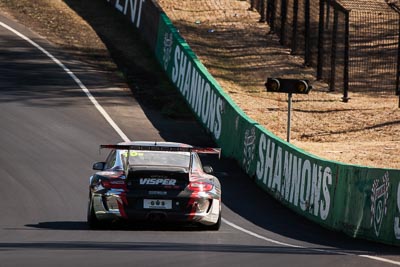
x=213, y=227
x=92, y=220
x=216, y=226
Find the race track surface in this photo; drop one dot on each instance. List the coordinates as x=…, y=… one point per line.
x=49, y=138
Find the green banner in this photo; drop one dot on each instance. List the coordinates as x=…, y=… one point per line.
x=359, y=201
x=370, y=203
x=300, y=181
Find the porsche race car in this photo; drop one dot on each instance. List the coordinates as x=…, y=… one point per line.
x=145, y=181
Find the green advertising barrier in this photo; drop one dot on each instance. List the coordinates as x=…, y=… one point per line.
x=370, y=203
x=302, y=182
x=359, y=201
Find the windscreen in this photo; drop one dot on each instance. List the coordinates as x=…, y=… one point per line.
x=157, y=158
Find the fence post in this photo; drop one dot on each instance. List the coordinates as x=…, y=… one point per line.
x=251, y=5
x=283, y=21
x=321, y=25
x=346, y=60
x=268, y=12
x=271, y=11
x=307, y=33
x=262, y=10
x=333, y=52
x=294, y=28
x=398, y=65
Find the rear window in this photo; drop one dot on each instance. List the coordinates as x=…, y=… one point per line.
x=158, y=158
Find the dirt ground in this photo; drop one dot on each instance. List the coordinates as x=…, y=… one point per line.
x=240, y=53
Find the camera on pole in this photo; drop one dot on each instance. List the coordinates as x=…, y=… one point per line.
x=288, y=86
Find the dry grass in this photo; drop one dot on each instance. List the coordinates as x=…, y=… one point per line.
x=240, y=54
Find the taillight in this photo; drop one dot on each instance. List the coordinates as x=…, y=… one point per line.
x=113, y=184
x=200, y=186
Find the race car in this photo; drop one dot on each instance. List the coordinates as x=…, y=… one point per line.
x=155, y=182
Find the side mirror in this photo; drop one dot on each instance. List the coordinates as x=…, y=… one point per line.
x=208, y=169
x=99, y=166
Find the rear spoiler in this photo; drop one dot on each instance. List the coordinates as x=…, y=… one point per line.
x=207, y=150
x=155, y=147
x=148, y=148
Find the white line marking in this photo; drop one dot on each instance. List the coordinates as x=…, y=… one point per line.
x=259, y=236
x=76, y=79
x=237, y=227
x=126, y=139
x=380, y=259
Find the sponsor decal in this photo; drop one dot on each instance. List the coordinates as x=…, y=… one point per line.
x=379, y=198
x=109, y=173
x=298, y=181
x=168, y=41
x=249, y=147
x=397, y=218
x=133, y=154
x=135, y=8
x=197, y=91
x=159, y=193
x=157, y=181
x=237, y=123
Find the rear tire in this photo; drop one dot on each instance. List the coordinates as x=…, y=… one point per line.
x=212, y=227
x=92, y=220
x=216, y=226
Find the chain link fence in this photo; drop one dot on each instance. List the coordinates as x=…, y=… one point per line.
x=374, y=45
x=354, y=44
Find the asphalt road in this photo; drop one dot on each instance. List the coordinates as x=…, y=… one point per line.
x=49, y=137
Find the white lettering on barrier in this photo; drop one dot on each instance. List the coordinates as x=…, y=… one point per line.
x=397, y=219
x=197, y=91
x=379, y=201
x=296, y=177
x=135, y=8
x=325, y=205
x=118, y=6
x=296, y=180
x=305, y=186
x=316, y=188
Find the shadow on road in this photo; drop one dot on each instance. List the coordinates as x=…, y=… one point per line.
x=169, y=247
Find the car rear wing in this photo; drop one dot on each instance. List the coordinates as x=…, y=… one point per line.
x=155, y=147
x=207, y=150
x=148, y=148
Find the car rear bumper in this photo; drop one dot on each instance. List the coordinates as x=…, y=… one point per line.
x=117, y=206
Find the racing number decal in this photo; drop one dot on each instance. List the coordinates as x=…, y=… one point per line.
x=133, y=154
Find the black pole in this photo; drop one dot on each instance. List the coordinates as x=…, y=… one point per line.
x=398, y=65
x=262, y=11
x=333, y=52
x=251, y=5
x=294, y=28
x=320, y=64
x=289, y=117
x=283, y=21
x=346, y=60
x=307, y=33
x=273, y=15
